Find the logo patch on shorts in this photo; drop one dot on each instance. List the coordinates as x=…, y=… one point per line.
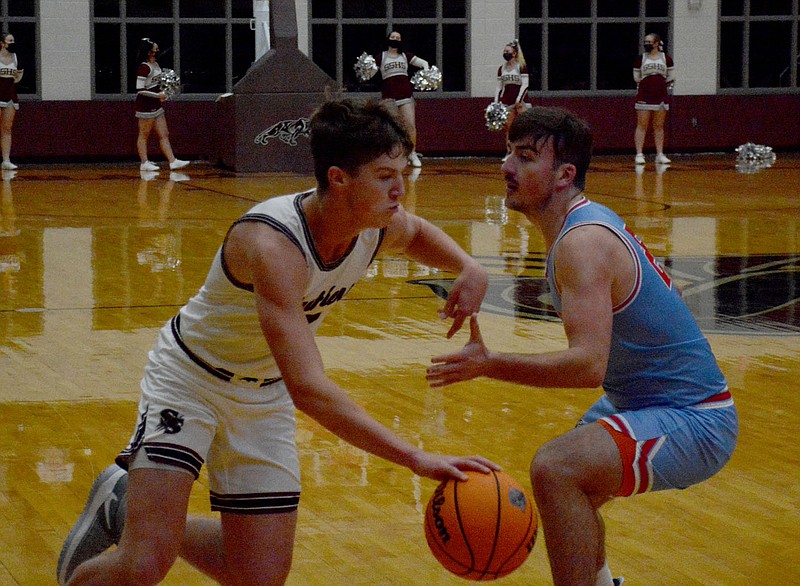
x=171, y=421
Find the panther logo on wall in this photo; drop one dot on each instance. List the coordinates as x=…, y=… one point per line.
x=726, y=294
x=286, y=131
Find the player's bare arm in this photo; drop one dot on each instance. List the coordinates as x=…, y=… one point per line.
x=585, y=274
x=423, y=242
x=278, y=272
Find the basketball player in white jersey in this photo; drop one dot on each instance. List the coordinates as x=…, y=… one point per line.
x=227, y=372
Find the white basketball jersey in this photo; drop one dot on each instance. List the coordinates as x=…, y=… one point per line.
x=220, y=323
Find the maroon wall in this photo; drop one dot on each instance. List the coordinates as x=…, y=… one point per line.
x=106, y=130
x=695, y=123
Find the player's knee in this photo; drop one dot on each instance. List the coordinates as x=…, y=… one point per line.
x=144, y=569
x=549, y=469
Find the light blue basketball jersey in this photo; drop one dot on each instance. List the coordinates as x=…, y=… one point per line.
x=659, y=357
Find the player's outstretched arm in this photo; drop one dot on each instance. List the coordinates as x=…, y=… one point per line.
x=256, y=253
x=588, y=260
x=423, y=242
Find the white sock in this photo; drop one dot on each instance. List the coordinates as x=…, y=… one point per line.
x=604, y=576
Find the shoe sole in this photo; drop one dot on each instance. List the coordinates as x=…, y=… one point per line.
x=101, y=489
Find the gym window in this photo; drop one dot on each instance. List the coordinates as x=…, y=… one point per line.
x=208, y=44
x=436, y=30
x=759, y=45
x=587, y=45
x=18, y=17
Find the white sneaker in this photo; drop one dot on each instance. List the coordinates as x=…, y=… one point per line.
x=148, y=166
x=639, y=160
x=8, y=166
x=178, y=164
x=413, y=158
x=662, y=159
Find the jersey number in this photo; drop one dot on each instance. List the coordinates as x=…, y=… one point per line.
x=651, y=259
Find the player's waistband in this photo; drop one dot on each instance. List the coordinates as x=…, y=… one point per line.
x=718, y=401
x=220, y=373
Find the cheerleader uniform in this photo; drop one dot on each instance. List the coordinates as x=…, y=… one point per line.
x=396, y=84
x=10, y=74
x=652, y=76
x=148, y=104
x=512, y=84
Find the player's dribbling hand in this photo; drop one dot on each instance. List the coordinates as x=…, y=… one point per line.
x=466, y=364
x=441, y=467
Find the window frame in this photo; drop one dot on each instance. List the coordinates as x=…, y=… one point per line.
x=644, y=22
x=390, y=22
x=175, y=21
x=747, y=18
x=7, y=22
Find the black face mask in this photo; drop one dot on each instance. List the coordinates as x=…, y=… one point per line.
x=508, y=56
x=648, y=47
x=395, y=44
x=11, y=48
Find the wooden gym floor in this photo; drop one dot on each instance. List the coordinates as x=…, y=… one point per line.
x=94, y=259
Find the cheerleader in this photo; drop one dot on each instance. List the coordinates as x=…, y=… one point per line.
x=512, y=83
x=10, y=74
x=149, y=108
x=653, y=72
x=393, y=63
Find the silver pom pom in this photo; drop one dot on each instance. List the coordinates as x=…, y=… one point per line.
x=496, y=115
x=365, y=67
x=168, y=82
x=427, y=80
x=752, y=158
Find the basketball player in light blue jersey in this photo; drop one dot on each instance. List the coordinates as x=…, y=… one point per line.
x=667, y=418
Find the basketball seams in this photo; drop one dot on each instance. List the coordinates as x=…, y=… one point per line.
x=526, y=540
x=434, y=542
x=498, y=520
x=462, y=530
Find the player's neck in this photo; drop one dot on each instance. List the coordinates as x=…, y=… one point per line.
x=331, y=239
x=550, y=217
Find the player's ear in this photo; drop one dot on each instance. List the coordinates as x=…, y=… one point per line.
x=337, y=176
x=566, y=173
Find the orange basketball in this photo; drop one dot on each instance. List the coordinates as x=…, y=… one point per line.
x=482, y=528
